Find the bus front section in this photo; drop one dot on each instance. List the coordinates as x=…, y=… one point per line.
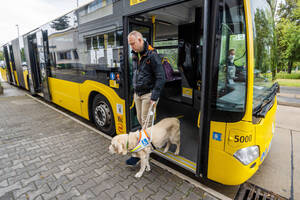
x=244, y=97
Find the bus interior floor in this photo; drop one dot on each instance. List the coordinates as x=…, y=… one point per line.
x=187, y=116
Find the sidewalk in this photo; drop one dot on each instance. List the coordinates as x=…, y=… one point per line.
x=45, y=155
x=10, y=91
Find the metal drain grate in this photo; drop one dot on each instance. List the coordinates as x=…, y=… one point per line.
x=249, y=191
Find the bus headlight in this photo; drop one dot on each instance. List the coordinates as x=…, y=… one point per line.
x=247, y=155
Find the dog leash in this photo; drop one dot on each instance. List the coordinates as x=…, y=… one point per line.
x=150, y=113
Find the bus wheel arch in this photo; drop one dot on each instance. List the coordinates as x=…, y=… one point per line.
x=101, y=113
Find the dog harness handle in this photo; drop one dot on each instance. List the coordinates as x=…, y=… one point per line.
x=144, y=139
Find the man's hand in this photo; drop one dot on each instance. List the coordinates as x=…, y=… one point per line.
x=152, y=102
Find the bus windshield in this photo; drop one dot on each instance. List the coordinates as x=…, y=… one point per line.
x=263, y=37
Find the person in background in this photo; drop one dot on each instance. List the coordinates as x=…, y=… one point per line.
x=230, y=66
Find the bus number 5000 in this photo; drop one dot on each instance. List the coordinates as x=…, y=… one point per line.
x=243, y=139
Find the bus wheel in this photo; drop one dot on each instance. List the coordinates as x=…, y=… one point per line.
x=103, y=115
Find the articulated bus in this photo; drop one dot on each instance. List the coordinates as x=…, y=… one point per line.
x=81, y=61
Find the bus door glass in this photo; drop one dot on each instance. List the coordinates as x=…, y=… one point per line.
x=43, y=50
x=34, y=62
x=9, y=71
x=146, y=30
x=12, y=63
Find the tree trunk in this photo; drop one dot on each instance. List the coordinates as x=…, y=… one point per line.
x=290, y=65
x=1, y=89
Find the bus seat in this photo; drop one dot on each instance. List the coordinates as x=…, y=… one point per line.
x=169, y=72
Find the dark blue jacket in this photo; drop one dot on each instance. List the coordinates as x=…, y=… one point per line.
x=148, y=72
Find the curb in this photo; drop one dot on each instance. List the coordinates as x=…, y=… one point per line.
x=284, y=103
x=294, y=96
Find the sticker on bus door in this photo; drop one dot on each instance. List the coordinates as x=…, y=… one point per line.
x=134, y=2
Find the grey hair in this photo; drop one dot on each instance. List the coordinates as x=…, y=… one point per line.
x=136, y=34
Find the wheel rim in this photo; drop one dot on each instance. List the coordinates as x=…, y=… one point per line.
x=102, y=114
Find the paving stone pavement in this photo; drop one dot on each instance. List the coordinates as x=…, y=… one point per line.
x=45, y=155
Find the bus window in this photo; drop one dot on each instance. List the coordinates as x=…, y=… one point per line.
x=263, y=33
x=168, y=49
x=104, y=50
x=231, y=85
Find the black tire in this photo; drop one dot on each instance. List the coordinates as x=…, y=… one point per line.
x=103, y=116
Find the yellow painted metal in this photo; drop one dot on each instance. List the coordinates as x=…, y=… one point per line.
x=250, y=62
x=65, y=94
x=25, y=74
x=223, y=167
x=113, y=84
x=134, y=2
x=16, y=77
x=226, y=169
x=264, y=131
x=113, y=98
x=3, y=73
x=75, y=97
x=187, y=92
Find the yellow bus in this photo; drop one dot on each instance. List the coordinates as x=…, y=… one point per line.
x=3, y=70
x=215, y=53
x=15, y=63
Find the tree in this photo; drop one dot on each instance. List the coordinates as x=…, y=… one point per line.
x=60, y=23
x=274, y=60
x=1, y=55
x=263, y=40
x=288, y=31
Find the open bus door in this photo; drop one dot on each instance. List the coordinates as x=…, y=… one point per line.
x=187, y=35
x=44, y=62
x=147, y=32
x=9, y=70
x=39, y=63
x=35, y=81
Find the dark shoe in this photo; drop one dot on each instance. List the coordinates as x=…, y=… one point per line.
x=132, y=161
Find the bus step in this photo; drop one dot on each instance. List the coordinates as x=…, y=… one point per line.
x=250, y=191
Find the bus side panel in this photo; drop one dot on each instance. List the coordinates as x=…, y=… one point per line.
x=16, y=77
x=65, y=94
x=25, y=74
x=264, y=132
x=12, y=73
x=3, y=74
x=117, y=104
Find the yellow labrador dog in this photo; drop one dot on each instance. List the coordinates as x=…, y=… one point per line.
x=167, y=131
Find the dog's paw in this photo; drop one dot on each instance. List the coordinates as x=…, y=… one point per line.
x=148, y=168
x=165, y=151
x=176, y=153
x=138, y=175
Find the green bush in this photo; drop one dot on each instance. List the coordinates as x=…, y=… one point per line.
x=284, y=75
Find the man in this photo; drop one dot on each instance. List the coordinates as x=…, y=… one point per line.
x=148, y=78
x=231, y=67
